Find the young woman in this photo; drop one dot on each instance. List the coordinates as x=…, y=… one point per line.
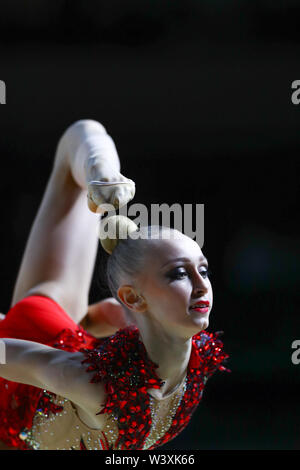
x=127, y=372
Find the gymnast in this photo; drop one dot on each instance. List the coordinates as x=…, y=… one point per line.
x=124, y=373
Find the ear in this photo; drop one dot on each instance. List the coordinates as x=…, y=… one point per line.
x=131, y=299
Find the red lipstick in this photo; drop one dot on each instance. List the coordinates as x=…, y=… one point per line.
x=202, y=306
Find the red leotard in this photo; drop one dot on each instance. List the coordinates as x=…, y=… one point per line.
x=120, y=362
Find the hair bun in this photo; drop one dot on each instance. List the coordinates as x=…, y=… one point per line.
x=113, y=229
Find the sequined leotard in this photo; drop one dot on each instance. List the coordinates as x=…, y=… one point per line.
x=32, y=418
x=49, y=432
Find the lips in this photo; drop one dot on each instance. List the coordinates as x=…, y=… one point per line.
x=201, y=307
x=200, y=304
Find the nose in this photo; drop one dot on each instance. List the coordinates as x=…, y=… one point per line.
x=200, y=287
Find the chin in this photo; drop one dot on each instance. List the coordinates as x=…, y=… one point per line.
x=202, y=324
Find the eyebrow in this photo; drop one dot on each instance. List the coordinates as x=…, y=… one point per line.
x=187, y=260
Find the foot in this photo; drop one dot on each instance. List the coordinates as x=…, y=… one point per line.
x=90, y=153
x=117, y=190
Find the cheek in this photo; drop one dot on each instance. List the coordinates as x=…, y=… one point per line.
x=177, y=299
x=164, y=298
x=210, y=290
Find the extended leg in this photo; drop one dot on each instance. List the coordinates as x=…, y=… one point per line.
x=61, y=249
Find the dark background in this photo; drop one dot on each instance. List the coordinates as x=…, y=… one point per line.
x=197, y=96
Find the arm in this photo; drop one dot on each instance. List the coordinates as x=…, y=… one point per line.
x=104, y=318
x=58, y=371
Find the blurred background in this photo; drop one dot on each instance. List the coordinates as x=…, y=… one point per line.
x=197, y=96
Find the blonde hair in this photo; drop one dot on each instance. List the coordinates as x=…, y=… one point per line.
x=127, y=254
x=119, y=226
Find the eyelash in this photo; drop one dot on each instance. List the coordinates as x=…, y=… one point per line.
x=181, y=275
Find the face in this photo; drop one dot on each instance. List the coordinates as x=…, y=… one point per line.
x=174, y=280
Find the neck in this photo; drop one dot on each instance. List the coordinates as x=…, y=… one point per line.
x=170, y=352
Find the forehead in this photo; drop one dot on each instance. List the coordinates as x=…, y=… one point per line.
x=165, y=250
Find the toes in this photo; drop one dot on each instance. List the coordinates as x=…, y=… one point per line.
x=116, y=202
x=91, y=205
x=122, y=195
x=118, y=195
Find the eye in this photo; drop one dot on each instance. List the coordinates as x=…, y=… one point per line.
x=205, y=273
x=181, y=273
x=178, y=273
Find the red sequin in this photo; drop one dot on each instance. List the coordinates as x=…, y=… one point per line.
x=19, y=402
x=122, y=364
x=133, y=413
